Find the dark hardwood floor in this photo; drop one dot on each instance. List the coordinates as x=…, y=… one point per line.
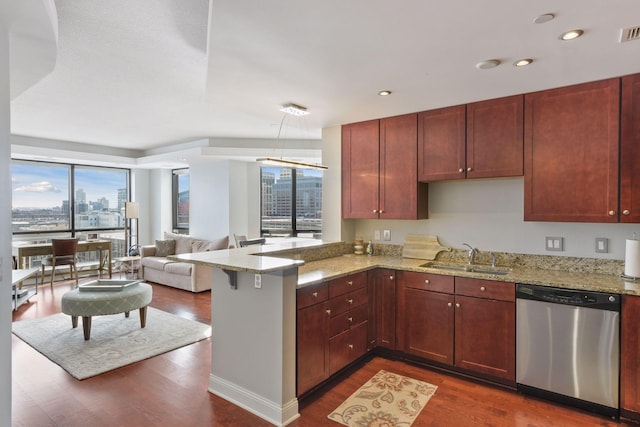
x=171, y=389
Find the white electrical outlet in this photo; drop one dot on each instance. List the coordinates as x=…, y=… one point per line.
x=376, y=234
x=258, y=281
x=386, y=234
x=554, y=244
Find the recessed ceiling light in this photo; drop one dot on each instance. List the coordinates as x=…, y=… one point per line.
x=384, y=93
x=571, y=35
x=544, y=18
x=488, y=64
x=294, y=110
x=523, y=62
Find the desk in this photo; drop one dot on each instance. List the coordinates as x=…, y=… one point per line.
x=22, y=251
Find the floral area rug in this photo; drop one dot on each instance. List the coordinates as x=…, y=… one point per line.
x=387, y=399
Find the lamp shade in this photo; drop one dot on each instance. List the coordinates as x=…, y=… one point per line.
x=131, y=210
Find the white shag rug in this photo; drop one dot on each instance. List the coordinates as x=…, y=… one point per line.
x=116, y=341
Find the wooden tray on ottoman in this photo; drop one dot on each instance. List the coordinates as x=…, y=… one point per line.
x=107, y=285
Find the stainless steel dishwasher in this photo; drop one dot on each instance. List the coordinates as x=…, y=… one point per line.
x=567, y=346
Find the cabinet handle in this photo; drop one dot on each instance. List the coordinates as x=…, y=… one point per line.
x=350, y=301
x=482, y=288
x=457, y=305
x=469, y=169
x=328, y=312
x=350, y=282
x=350, y=346
x=626, y=212
x=315, y=295
x=350, y=319
x=381, y=210
x=375, y=211
x=448, y=304
x=461, y=170
x=426, y=281
x=612, y=213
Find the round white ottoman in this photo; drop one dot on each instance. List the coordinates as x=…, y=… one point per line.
x=98, y=303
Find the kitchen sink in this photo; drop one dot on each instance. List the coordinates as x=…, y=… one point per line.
x=481, y=269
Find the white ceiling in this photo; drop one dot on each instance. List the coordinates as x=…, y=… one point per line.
x=152, y=73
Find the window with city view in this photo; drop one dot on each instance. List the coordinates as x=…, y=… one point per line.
x=280, y=216
x=52, y=200
x=181, y=200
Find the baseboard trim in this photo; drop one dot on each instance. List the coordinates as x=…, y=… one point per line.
x=279, y=415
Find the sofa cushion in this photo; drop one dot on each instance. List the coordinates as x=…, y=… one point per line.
x=205, y=245
x=183, y=242
x=182, y=268
x=154, y=262
x=165, y=247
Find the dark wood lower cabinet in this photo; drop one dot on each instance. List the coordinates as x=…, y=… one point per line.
x=347, y=346
x=630, y=357
x=428, y=325
x=485, y=336
x=313, y=346
x=382, y=308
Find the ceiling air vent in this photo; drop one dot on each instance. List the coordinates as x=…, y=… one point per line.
x=630, y=33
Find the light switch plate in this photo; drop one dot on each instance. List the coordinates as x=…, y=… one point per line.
x=602, y=245
x=376, y=235
x=554, y=244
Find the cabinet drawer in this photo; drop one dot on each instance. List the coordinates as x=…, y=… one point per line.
x=310, y=295
x=348, y=319
x=490, y=289
x=346, y=284
x=345, y=302
x=427, y=281
x=347, y=347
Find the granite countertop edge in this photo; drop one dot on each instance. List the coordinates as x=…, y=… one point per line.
x=332, y=268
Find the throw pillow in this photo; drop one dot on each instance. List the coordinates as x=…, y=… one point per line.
x=165, y=247
x=183, y=242
x=205, y=245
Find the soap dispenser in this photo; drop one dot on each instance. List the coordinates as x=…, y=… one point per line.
x=370, y=249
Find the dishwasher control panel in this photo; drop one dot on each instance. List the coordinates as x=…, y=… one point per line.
x=588, y=299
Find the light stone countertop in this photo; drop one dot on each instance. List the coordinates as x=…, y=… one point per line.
x=332, y=268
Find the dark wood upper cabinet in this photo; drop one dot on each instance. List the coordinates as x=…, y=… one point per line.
x=441, y=144
x=630, y=150
x=571, y=153
x=360, y=165
x=495, y=142
x=379, y=170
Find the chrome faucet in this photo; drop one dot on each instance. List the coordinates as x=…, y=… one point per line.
x=472, y=253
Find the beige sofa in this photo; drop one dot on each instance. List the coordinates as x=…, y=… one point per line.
x=155, y=267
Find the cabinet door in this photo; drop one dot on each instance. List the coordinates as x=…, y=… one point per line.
x=571, y=153
x=313, y=346
x=399, y=190
x=382, y=308
x=630, y=150
x=485, y=336
x=428, y=325
x=441, y=144
x=360, y=164
x=347, y=347
x=495, y=143
x=630, y=354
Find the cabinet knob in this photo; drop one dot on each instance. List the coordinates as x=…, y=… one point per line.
x=612, y=213
x=350, y=282
x=426, y=281
x=375, y=211
x=328, y=312
x=457, y=305
x=461, y=170
x=482, y=288
x=469, y=169
x=390, y=277
x=626, y=212
x=315, y=295
x=448, y=304
x=350, y=346
x=381, y=210
x=350, y=319
x=350, y=301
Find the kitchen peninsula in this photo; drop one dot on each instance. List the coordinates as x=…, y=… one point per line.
x=254, y=324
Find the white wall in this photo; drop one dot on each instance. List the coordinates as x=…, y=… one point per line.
x=140, y=192
x=160, y=200
x=5, y=230
x=488, y=214
x=209, y=198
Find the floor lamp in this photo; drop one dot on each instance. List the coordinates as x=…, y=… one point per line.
x=130, y=214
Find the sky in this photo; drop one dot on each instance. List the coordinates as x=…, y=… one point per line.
x=46, y=185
